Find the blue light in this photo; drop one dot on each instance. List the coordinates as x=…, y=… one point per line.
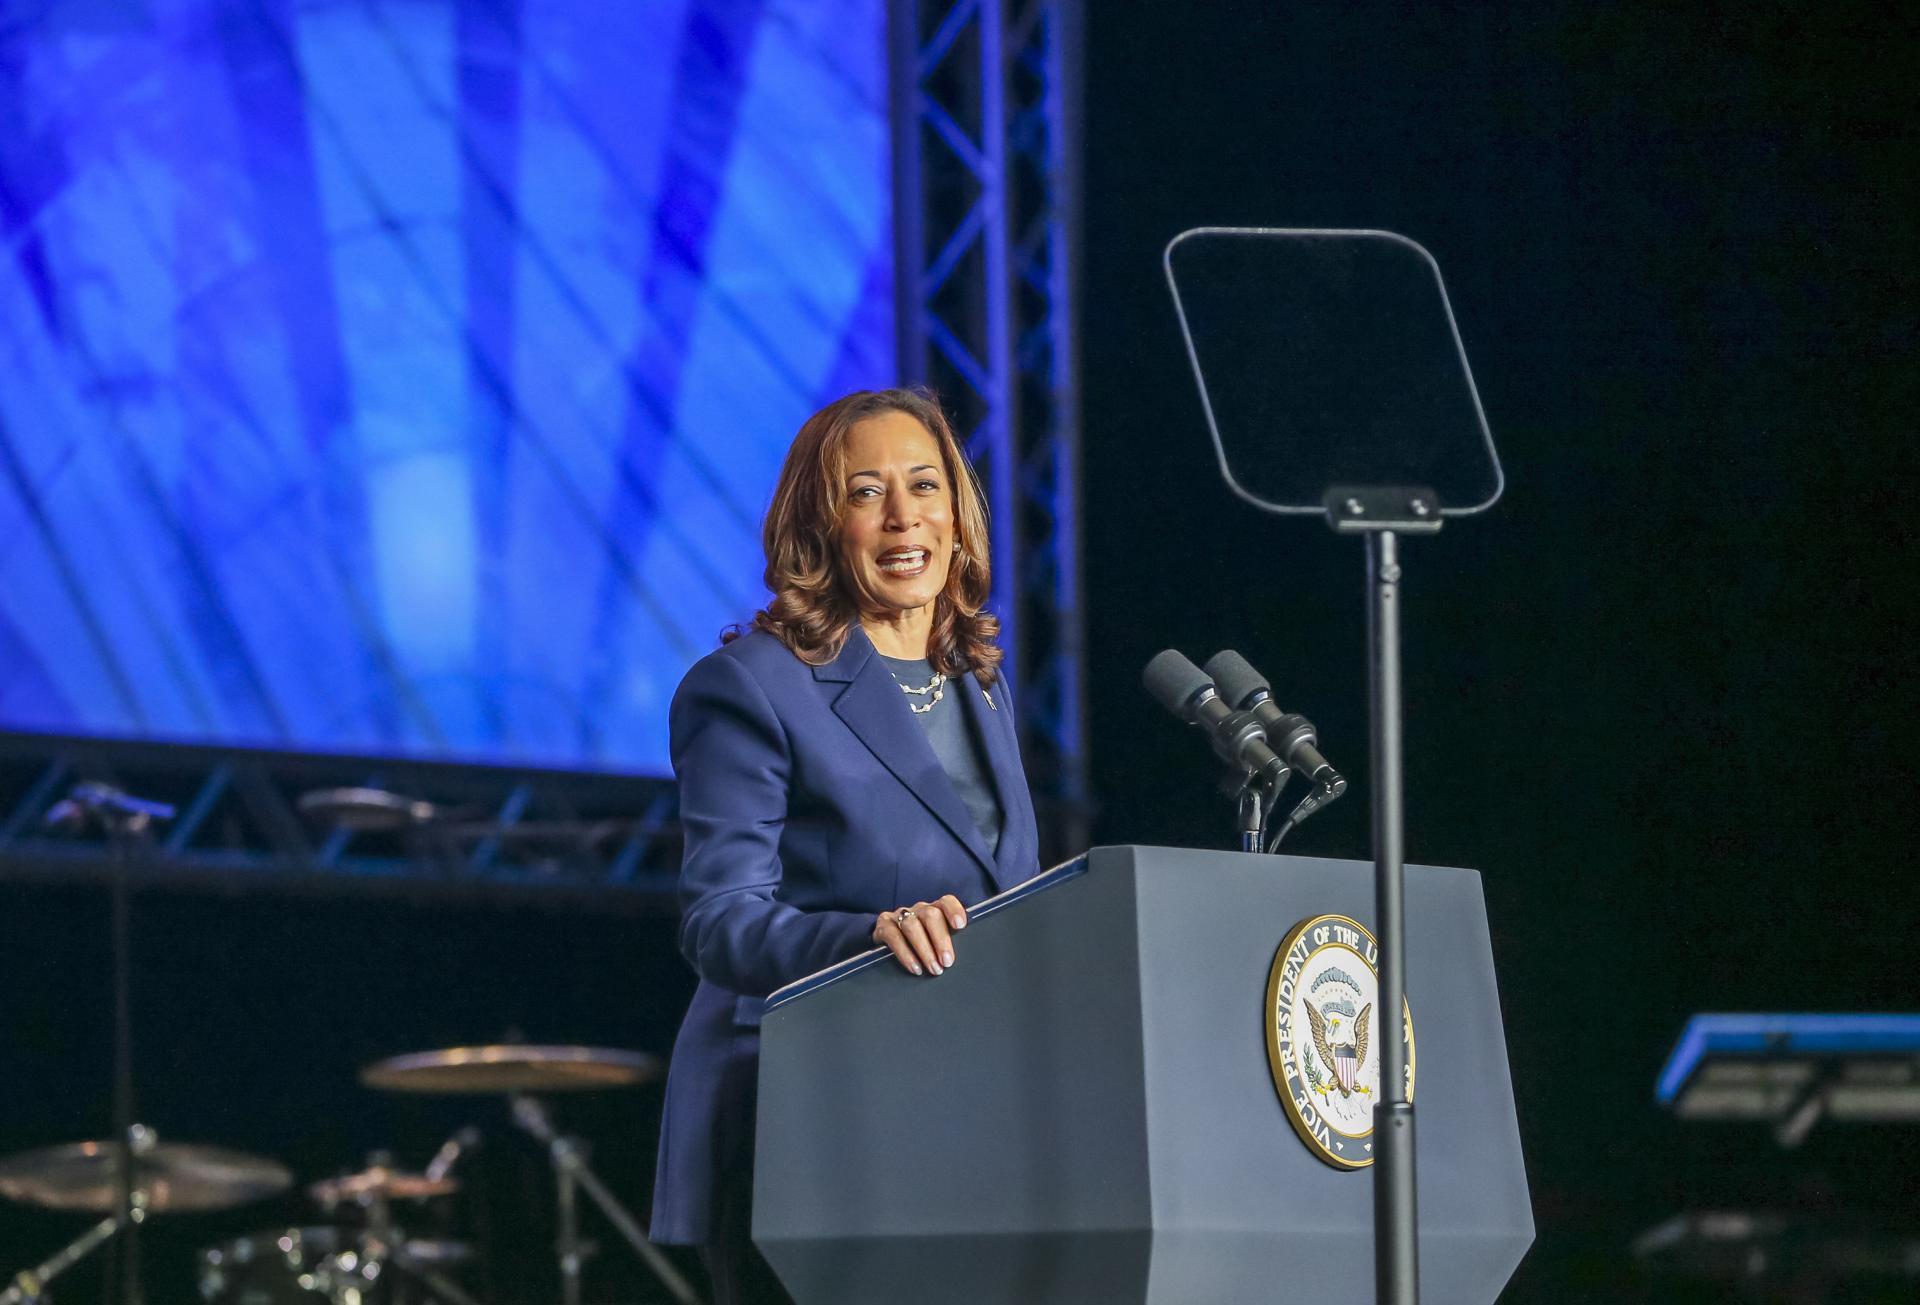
x=1707, y=1035
x=410, y=377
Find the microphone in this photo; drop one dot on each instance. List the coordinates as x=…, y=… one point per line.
x=1291, y=735
x=1184, y=689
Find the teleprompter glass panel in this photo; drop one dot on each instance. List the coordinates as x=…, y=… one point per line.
x=1330, y=358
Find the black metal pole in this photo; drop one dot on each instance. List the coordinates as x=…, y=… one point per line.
x=128, y=1288
x=29, y=1286
x=573, y=1175
x=1395, y=1227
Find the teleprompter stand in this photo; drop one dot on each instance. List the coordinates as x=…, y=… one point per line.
x=1383, y=515
x=1335, y=383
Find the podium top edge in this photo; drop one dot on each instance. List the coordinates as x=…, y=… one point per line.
x=1070, y=869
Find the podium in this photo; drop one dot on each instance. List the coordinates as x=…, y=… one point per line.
x=1081, y=1109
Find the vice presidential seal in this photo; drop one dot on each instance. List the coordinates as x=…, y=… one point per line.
x=1323, y=1036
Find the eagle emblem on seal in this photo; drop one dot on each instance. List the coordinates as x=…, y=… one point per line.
x=1344, y=1057
x=1325, y=1027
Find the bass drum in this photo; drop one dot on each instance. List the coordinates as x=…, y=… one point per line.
x=291, y=1266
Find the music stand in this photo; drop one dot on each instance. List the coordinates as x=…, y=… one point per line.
x=1335, y=384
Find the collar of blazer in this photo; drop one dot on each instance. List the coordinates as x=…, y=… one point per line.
x=873, y=708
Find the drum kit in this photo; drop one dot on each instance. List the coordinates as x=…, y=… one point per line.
x=365, y=1256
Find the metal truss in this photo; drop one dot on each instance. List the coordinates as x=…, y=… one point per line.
x=986, y=221
x=986, y=218
x=494, y=829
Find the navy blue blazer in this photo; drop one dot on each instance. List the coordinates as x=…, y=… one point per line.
x=811, y=801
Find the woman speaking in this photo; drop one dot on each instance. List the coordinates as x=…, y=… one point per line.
x=849, y=777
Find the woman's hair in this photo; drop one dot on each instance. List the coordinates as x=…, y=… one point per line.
x=813, y=604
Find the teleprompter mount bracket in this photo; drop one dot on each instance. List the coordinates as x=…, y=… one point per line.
x=1367, y=509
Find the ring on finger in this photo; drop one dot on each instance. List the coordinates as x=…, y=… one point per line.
x=902, y=916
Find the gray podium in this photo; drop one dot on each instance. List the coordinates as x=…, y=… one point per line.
x=1081, y=1109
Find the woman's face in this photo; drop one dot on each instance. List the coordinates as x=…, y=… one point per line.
x=897, y=536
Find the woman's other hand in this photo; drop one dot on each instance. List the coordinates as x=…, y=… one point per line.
x=921, y=936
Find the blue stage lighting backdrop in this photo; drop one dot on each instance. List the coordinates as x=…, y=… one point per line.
x=410, y=376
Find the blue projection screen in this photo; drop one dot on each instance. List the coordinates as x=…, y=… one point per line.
x=410, y=378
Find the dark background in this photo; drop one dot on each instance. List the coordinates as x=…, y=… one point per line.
x=1660, y=695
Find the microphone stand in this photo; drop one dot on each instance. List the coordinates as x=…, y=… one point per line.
x=1253, y=816
x=1255, y=798
x=1382, y=514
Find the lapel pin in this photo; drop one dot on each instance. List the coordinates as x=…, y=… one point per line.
x=989, y=698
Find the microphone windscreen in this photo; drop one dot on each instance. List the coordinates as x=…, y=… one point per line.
x=1173, y=680
x=1236, y=680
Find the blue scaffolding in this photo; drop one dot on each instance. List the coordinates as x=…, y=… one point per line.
x=986, y=202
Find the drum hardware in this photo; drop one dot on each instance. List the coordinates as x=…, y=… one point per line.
x=378, y=811
x=168, y=1177
x=422, y=827
x=380, y=1182
x=572, y=1174
x=165, y=1178
x=128, y=823
x=518, y=1072
x=28, y=1286
x=368, y=810
x=417, y=1260
x=381, y=1243
x=446, y=836
x=341, y=1266
x=348, y=1265
x=508, y=1068
x=436, y=1252
x=464, y=1139
x=290, y=1264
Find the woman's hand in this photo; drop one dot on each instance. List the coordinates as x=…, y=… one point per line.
x=921, y=936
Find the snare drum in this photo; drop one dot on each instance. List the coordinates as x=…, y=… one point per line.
x=291, y=1266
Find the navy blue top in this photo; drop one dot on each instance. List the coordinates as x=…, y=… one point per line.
x=956, y=742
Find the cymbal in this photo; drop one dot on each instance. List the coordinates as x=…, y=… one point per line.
x=512, y=1068
x=174, y=1177
x=380, y=1182
x=367, y=810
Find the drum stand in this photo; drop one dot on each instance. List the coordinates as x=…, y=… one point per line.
x=128, y=824
x=441, y=1290
x=93, y=1176
x=386, y=1244
x=571, y=1176
x=29, y=1286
